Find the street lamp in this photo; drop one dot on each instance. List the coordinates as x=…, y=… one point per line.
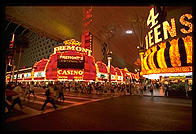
x=109, y=64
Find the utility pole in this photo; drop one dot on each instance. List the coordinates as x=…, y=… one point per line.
x=109, y=64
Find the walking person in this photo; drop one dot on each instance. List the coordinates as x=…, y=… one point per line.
x=26, y=92
x=141, y=89
x=151, y=89
x=61, y=92
x=56, y=92
x=17, y=98
x=8, y=98
x=89, y=88
x=145, y=87
x=49, y=98
x=186, y=87
x=31, y=90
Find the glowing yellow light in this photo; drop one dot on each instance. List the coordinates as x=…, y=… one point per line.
x=150, y=37
x=72, y=42
x=72, y=48
x=160, y=56
x=188, y=48
x=142, y=60
x=151, y=59
x=70, y=72
x=167, y=28
x=145, y=60
x=157, y=33
x=186, y=23
x=174, y=53
x=152, y=18
x=146, y=38
x=168, y=70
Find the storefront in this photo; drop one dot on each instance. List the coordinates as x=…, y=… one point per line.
x=71, y=62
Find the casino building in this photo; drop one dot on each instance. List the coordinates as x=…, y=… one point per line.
x=168, y=48
x=72, y=61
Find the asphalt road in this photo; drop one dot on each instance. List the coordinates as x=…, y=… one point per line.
x=124, y=113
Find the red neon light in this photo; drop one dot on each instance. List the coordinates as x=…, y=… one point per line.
x=102, y=67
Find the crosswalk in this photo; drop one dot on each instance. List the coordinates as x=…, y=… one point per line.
x=32, y=107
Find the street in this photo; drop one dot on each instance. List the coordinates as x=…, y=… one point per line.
x=123, y=113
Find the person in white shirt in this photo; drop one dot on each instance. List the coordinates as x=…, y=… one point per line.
x=17, y=98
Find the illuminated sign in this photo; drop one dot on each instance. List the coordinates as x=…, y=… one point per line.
x=72, y=57
x=168, y=70
x=177, y=77
x=72, y=42
x=165, y=55
x=76, y=62
x=27, y=75
x=153, y=36
x=72, y=45
x=102, y=75
x=120, y=77
x=113, y=77
x=39, y=74
x=70, y=72
x=20, y=76
x=72, y=48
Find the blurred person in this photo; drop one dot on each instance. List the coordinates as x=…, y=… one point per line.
x=8, y=98
x=26, y=92
x=141, y=88
x=7, y=104
x=151, y=89
x=89, y=88
x=31, y=90
x=49, y=98
x=165, y=88
x=17, y=98
x=61, y=92
x=56, y=91
x=186, y=87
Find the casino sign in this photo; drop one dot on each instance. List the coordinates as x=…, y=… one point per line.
x=168, y=47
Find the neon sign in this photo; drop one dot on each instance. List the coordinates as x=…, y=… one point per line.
x=72, y=42
x=72, y=48
x=39, y=74
x=167, y=70
x=70, y=72
x=71, y=57
x=169, y=56
x=27, y=75
x=153, y=36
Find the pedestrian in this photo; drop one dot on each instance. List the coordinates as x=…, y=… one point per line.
x=61, y=93
x=26, y=91
x=141, y=89
x=49, y=98
x=17, y=98
x=186, y=87
x=145, y=87
x=7, y=104
x=31, y=90
x=8, y=98
x=151, y=89
x=89, y=88
x=56, y=92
